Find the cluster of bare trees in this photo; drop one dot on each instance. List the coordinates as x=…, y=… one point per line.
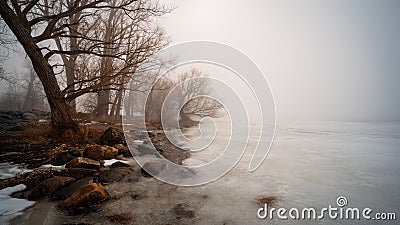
x=188, y=94
x=94, y=48
x=194, y=95
x=80, y=47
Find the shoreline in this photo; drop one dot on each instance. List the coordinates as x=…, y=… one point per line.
x=135, y=198
x=132, y=199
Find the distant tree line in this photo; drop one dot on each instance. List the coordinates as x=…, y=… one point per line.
x=84, y=53
x=189, y=98
x=95, y=46
x=22, y=92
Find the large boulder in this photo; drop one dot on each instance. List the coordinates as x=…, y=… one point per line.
x=99, y=152
x=29, y=116
x=86, y=196
x=65, y=157
x=47, y=187
x=112, y=136
x=79, y=173
x=68, y=190
x=82, y=162
x=109, y=175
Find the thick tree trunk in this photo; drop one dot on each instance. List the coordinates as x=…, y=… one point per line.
x=70, y=73
x=61, y=114
x=106, y=69
x=70, y=61
x=103, y=101
x=116, y=106
x=70, y=65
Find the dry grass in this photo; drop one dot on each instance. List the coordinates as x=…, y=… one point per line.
x=39, y=144
x=269, y=200
x=29, y=179
x=83, y=133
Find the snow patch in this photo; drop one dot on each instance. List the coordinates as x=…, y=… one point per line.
x=12, y=207
x=112, y=161
x=8, y=170
x=49, y=166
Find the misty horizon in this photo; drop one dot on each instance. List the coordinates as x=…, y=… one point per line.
x=323, y=60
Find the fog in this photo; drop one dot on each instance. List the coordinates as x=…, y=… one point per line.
x=335, y=60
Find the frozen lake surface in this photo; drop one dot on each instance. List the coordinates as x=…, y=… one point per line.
x=310, y=164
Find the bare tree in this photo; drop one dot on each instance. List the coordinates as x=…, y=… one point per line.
x=189, y=98
x=39, y=24
x=193, y=93
x=140, y=43
x=72, y=43
x=156, y=99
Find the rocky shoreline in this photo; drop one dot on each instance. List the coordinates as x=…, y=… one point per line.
x=80, y=181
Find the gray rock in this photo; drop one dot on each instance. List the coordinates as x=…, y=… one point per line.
x=112, y=136
x=109, y=175
x=81, y=162
x=86, y=196
x=49, y=186
x=146, y=149
x=29, y=116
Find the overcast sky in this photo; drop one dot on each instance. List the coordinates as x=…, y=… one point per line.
x=323, y=59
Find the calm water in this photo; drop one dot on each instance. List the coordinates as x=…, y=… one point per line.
x=309, y=165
